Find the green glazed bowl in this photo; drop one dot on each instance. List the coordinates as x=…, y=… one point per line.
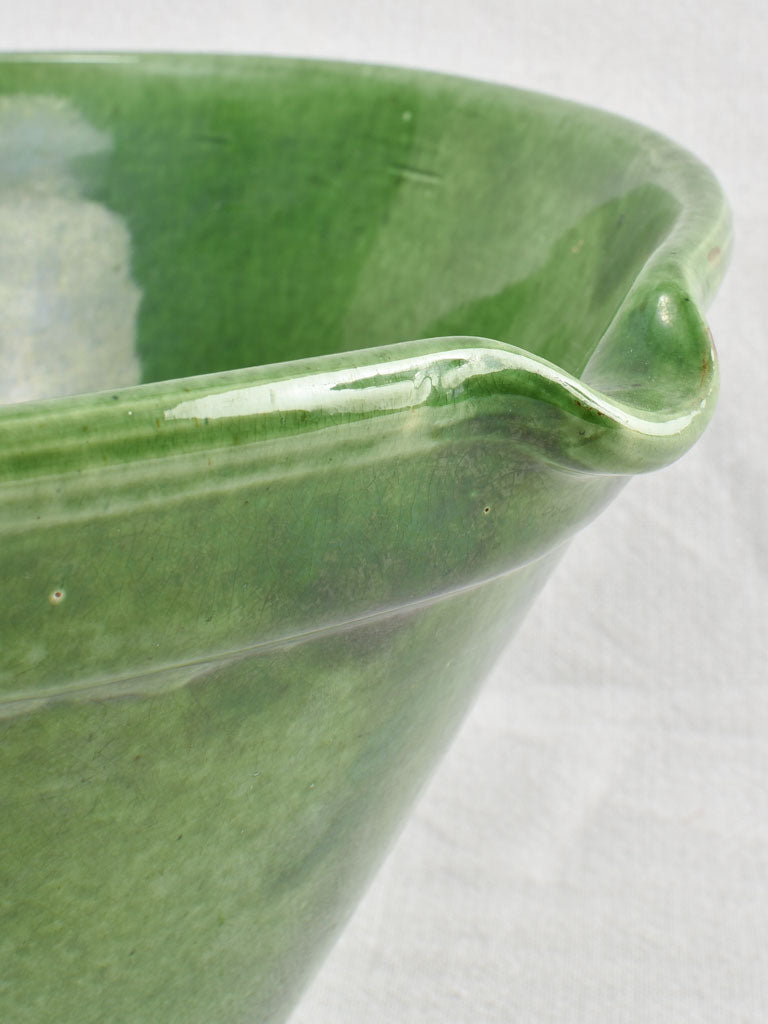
x=259, y=546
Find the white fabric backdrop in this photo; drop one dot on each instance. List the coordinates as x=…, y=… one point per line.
x=595, y=846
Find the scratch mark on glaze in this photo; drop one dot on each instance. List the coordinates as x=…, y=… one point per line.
x=415, y=174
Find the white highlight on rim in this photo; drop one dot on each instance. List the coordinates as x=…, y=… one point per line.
x=80, y=58
x=349, y=391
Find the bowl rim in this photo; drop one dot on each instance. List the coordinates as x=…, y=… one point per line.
x=685, y=268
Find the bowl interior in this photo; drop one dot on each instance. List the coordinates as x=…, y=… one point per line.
x=168, y=217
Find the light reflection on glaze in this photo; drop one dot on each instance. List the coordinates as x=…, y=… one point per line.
x=356, y=391
x=69, y=304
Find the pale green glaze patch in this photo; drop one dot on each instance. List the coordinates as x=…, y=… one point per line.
x=256, y=563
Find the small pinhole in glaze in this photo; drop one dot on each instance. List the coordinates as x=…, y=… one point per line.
x=56, y=596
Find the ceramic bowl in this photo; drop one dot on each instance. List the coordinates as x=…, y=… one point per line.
x=259, y=545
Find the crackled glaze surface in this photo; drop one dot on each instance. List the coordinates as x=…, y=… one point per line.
x=259, y=542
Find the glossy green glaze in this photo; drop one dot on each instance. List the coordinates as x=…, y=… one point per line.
x=258, y=545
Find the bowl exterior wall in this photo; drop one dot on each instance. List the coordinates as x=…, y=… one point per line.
x=185, y=851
